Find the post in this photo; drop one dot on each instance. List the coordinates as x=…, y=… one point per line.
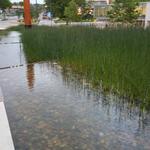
x=27, y=15
x=147, y=15
x=36, y=6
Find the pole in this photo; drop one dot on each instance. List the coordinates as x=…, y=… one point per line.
x=27, y=15
x=147, y=15
x=36, y=6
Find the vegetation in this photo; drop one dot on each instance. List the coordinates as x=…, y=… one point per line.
x=124, y=11
x=58, y=7
x=115, y=59
x=36, y=9
x=4, y=4
x=71, y=11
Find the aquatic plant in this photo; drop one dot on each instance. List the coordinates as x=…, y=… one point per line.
x=116, y=59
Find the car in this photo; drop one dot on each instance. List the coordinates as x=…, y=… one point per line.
x=47, y=15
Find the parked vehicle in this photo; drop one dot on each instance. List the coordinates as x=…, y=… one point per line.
x=47, y=15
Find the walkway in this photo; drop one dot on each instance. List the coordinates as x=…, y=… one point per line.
x=6, y=142
x=10, y=56
x=11, y=53
x=10, y=22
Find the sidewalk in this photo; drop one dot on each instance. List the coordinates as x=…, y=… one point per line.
x=6, y=142
x=45, y=22
x=10, y=22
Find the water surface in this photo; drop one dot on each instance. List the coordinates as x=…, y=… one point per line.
x=11, y=52
x=49, y=108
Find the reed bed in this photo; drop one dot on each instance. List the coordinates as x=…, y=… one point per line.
x=117, y=59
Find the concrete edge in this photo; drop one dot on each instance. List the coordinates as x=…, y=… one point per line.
x=6, y=141
x=1, y=95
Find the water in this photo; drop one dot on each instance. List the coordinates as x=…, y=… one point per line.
x=11, y=52
x=51, y=109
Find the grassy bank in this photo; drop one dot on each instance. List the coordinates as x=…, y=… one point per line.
x=117, y=58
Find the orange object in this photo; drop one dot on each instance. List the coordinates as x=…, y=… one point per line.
x=27, y=15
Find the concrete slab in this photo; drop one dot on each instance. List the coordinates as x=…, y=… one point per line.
x=1, y=96
x=6, y=142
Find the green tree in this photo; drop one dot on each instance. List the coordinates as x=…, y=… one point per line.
x=57, y=7
x=5, y=4
x=36, y=9
x=71, y=11
x=124, y=11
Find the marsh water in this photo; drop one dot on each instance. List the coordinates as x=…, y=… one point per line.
x=50, y=108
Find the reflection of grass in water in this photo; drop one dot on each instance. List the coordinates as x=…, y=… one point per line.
x=120, y=58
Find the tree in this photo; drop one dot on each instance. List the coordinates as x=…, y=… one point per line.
x=5, y=4
x=124, y=11
x=36, y=9
x=57, y=7
x=71, y=11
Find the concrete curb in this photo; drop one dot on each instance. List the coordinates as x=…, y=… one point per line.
x=6, y=141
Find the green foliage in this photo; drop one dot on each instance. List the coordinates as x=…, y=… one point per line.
x=124, y=11
x=36, y=9
x=71, y=11
x=4, y=4
x=117, y=58
x=57, y=7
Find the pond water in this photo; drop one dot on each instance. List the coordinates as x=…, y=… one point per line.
x=52, y=109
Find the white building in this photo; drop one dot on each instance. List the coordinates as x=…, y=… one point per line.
x=145, y=13
x=100, y=1
x=101, y=7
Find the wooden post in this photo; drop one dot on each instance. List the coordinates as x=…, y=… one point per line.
x=27, y=15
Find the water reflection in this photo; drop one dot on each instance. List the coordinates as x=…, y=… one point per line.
x=64, y=112
x=30, y=76
x=123, y=108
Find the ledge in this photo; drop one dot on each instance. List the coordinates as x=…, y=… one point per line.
x=6, y=142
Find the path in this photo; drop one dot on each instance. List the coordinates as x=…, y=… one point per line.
x=6, y=142
x=10, y=22
x=47, y=22
x=11, y=53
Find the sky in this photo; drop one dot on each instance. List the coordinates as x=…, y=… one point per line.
x=32, y=1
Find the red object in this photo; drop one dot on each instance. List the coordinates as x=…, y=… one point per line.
x=110, y=1
x=27, y=15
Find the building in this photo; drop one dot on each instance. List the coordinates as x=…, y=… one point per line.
x=99, y=1
x=15, y=9
x=100, y=8
x=144, y=19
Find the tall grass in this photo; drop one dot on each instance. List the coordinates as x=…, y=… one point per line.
x=117, y=58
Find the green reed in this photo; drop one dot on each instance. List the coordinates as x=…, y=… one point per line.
x=118, y=59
